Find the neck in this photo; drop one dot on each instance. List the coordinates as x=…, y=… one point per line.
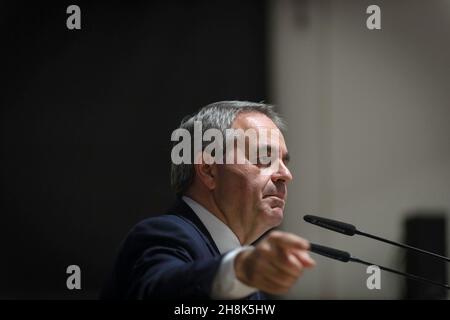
x=210, y=204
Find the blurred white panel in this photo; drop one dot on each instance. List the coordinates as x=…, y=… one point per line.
x=369, y=127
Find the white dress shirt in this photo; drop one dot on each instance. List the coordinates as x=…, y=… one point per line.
x=225, y=284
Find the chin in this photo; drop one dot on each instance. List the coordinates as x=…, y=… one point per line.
x=275, y=216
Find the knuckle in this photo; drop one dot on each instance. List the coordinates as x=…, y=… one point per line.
x=260, y=251
x=263, y=250
x=275, y=235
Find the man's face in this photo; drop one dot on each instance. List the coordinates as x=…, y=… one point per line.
x=252, y=196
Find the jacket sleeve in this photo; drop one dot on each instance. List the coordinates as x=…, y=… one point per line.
x=165, y=264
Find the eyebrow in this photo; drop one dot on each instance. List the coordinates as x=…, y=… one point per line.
x=286, y=158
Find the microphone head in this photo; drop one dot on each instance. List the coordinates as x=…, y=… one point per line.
x=341, y=227
x=330, y=252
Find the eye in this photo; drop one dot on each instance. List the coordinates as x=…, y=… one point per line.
x=264, y=161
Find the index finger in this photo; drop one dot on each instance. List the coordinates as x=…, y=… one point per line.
x=288, y=240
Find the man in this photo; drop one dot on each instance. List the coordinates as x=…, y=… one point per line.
x=202, y=247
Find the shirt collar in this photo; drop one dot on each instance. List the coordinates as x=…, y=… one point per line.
x=223, y=236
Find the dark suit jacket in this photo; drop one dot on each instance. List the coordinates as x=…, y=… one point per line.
x=172, y=256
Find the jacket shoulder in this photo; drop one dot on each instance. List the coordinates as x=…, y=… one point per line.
x=165, y=224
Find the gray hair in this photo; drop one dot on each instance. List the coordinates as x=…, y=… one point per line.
x=218, y=115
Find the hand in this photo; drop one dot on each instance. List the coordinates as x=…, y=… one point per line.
x=275, y=264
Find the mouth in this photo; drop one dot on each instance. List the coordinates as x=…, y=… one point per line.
x=275, y=201
x=278, y=195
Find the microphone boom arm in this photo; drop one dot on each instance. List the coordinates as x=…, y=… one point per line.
x=350, y=230
x=344, y=256
x=404, y=246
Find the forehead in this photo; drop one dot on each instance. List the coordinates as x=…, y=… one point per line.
x=256, y=120
x=247, y=120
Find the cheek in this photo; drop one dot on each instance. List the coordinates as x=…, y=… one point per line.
x=241, y=181
x=252, y=188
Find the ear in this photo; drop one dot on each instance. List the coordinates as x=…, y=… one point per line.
x=206, y=172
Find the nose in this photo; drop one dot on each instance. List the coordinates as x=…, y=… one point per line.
x=282, y=174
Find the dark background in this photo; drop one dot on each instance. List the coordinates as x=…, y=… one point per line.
x=87, y=117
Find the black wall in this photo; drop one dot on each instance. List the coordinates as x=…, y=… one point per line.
x=426, y=229
x=87, y=117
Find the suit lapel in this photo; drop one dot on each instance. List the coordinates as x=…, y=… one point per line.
x=181, y=209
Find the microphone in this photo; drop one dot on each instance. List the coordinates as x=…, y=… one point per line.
x=346, y=257
x=330, y=252
x=350, y=230
x=341, y=227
